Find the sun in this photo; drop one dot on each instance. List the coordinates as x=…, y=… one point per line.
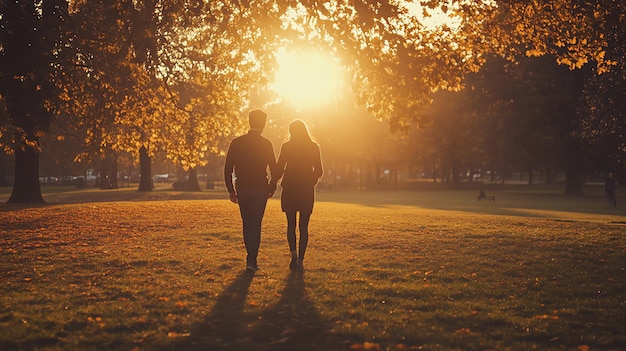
x=307, y=78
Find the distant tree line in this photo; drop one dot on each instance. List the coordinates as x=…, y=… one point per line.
x=532, y=115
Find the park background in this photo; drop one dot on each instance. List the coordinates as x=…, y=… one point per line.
x=417, y=106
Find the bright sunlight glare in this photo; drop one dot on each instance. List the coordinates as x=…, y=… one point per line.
x=307, y=78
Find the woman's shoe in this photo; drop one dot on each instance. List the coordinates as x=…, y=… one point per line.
x=300, y=264
x=294, y=260
x=293, y=264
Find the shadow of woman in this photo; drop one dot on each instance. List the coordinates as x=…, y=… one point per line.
x=293, y=323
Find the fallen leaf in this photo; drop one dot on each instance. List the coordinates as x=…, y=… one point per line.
x=177, y=335
x=463, y=332
x=546, y=316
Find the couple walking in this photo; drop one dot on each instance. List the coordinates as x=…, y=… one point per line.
x=300, y=167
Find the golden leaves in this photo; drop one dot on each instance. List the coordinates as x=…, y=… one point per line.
x=534, y=52
x=572, y=62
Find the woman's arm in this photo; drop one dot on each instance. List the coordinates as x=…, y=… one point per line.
x=318, y=171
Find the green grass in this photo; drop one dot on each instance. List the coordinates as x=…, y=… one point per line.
x=425, y=270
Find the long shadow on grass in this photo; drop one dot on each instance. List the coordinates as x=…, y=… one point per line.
x=293, y=323
x=226, y=325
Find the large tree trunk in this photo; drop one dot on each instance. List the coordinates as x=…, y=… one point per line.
x=4, y=170
x=26, y=188
x=192, y=182
x=145, y=170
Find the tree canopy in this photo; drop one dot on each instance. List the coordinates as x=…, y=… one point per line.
x=176, y=75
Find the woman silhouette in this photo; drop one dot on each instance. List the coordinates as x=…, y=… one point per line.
x=300, y=167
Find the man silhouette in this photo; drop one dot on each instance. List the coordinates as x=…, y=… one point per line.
x=247, y=161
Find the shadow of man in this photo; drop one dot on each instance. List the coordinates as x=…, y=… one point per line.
x=293, y=323
x=225, y=328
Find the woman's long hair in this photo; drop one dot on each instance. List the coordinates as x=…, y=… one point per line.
x=298, y=132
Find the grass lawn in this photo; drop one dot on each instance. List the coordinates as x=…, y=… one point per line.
x=427, y=269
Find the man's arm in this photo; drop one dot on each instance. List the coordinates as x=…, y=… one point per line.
x=274, y=172
x=278, y=171
x=229, y=166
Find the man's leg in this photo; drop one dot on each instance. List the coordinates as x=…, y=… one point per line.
x=252, y=207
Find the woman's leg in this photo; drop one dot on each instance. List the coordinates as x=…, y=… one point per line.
x=291, y=230
x=291, y=238
x=304, y=234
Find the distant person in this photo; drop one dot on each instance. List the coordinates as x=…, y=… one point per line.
x=247, y=161
x=609, y=189
x=300, y=167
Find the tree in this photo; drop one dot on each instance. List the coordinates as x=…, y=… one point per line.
x=603, y=125
x=527, y=108
x=574, y=32
x=603, y=121
x=198, y=59
x=452, y=141
x=31, y=36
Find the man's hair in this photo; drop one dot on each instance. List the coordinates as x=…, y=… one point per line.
x=257, y=119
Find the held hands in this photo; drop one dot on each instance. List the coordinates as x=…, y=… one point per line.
x=270, y=192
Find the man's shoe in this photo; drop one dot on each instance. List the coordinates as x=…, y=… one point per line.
x=251, y=268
